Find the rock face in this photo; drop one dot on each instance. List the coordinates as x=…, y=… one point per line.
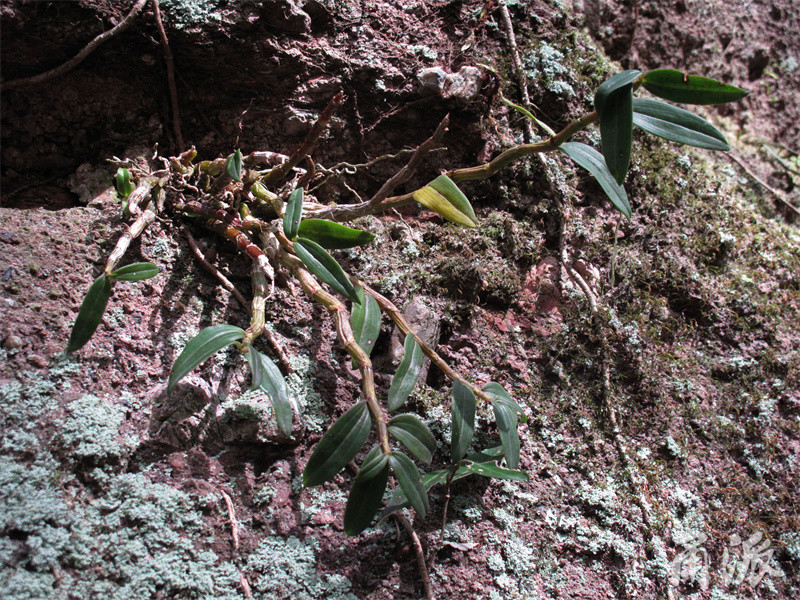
x=110, y=489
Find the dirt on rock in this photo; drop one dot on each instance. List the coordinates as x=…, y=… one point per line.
x=672, y=474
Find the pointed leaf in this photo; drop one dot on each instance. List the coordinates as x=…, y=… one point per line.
x=123, y=181
x=616, y=131
x=498, y=392
x=333, y=235
x=268, y=378
x=338, y=446
x=506, y=419
x=442, y=196
x=374, y=462
x=365, y=321
x=234, y=165
x=447, y=188
x=677, y=125
x=463, y=419
x=408, y=476
x=492, y=470
x=135, y=272
x=407, y=373
x=505, y=413
x=365, y=500
x=612, y=85
x=91, y=313
x=399, y=501
x=591, y=160
x=206, y=343
x=677, y=86
x=414, y=435
x=292, y=214
x=324, y=266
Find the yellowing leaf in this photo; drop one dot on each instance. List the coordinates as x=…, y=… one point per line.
x=443, y=197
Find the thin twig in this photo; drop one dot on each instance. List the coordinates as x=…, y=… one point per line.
x=281, y=171
x=408, y=170
x=420, y=554
x=173, y=91
x=515, y=60
x=226, y=283
x=245, y=586
x=436, y=546
x=232, y=520
x=762, y=183
x=80, y=56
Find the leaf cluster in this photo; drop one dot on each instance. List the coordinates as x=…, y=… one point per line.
x=392, y=442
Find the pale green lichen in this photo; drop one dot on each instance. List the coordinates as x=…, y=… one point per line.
x=129, y=537
x=287, y=569
x=90, y=432
x=188, y=13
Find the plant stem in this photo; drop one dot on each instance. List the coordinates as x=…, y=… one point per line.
x=341, y=320
x=514, y=154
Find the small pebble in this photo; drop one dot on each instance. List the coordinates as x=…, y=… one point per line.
x=37, y=361
x=12, y=342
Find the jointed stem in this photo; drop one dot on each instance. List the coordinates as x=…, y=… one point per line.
x=347, y=212
x=514, y=154
x=345, y=334
x=395, y=315
x=134, y=230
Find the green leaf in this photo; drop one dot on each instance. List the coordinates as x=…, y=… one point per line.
x=677, y=86
x=292, y=214
x=676, y=124
x=365, y=500
x=492, y=470
x=123, y=181
x=443, y=197
x=463, y=419
x=414, y=435
x=614, y=84
x=487, y=468
x=365, y=321
x=333, y=235
x=616, y=132
x=614, y=104
x=591, y=160
x=234, y=165
x=268, y=378
x=408, y=476
x=505, y=414
x=374, y=462
x=135, y=272
x=498, y=392
x=407, y=373
x=207, y=342
x=338, y=446
x=324, y=266
x=91, y=313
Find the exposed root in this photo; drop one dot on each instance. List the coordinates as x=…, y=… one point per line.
x=224, y=281
x=173, y=91
x=607, y=406
x=762, y=183
x=408, y=170
x=232, y=520
x=80, y=56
